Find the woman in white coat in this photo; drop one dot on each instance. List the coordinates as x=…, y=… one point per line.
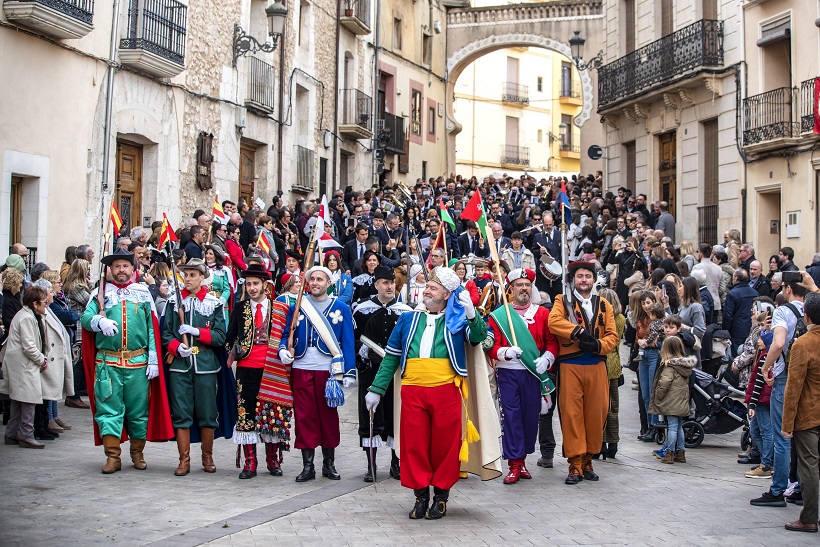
x=58, y=378
x=24, y=361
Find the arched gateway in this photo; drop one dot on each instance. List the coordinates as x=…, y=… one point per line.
x=474, y=32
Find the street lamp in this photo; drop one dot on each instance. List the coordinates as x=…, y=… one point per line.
x=576, y=45
x=243, y=43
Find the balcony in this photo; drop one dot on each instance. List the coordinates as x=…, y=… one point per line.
x=64, y=19
x=515, y=155
x=681, y=55
x=390, y=130
x=155, y=41
x=516, y=94
x=768, y=122
x=356, y=16
x=807, y=107
x=570, y=93
x=261, y=89
x=569, y=151
x=357, y=121
x=304, y=170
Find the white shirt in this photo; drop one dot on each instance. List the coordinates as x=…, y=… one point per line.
x=429, y=334
x=586, y=305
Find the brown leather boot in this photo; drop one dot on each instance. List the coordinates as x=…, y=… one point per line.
x=669, y=457
x=208, y=449
x=184, y=446
x=137, y=446
x=680, y=456
x=111, y=444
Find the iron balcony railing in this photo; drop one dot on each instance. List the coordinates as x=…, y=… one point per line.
x=304, y=169
x=391, y=132
x=662, y=62
x=261, y=88
x=81, y=10
x=514, y=155
x=707, y=224
x=356, y=108
x=571, y=148
x=807, y=103
x=768, y=116
x=157, y=26
x=515, y=93
x=361, y=10
x=570, y=88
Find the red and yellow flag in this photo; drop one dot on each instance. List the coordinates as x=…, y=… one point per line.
x=116, y=219
x=166, y=234
x=218, y=212
x=263, y=243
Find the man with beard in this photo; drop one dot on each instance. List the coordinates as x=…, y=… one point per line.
x=323, y=346
x=521, y=370
x=264, y=396
x=429, y=346
x=585, y=327
x=195, y=365
x=375, y=319
x=121, y=352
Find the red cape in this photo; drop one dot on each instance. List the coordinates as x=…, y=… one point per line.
x=160, y=428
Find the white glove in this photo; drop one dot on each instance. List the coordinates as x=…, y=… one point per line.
x=513, y=352
x=184, y=351
x=285, y=356
x=542, y=364
x=371, y=401
x=108, y=326
x=348, y=381
x=188, y=329
x=469, y=309
x=152, y=371
x=363, y=352
x=546, y=404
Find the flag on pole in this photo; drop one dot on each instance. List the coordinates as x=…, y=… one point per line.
x=219, y=212
x=166, y=234
x=326, y=241
x=116, y=220
x=562, y=203
x=445, y=215
x=475, y=211
x=322, y=217
x=437, y=244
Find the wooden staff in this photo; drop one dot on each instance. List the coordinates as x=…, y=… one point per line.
x=494, y=253
x=298, y=306
x=103, y=274
x=178, y=294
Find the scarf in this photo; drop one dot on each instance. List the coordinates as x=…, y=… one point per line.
x=274, y=407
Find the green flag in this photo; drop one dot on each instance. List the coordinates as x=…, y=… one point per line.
x=445, y=215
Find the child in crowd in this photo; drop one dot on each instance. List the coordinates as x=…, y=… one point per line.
x=673, y=326
x=670, y=396
x=758, y=394
x=649, y=362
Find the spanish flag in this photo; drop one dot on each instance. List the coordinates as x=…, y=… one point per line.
x=166, y=234
x=218, y=212
x=116, y=219
x=263, y=243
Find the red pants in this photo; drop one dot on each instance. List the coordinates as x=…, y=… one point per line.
x=583, y=403
x=430, y=436
x=316, y=423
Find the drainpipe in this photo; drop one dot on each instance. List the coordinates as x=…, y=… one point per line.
x=109, y=106
x=742, y=91
x=377, y=23
x=336, y=100
x=281, y=110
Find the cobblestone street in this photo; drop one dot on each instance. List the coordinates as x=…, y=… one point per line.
x=58, y=496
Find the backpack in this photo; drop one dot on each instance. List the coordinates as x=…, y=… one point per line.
x=799, y=330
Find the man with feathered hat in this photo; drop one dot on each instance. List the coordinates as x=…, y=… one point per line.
x=431, y=348
x=523, y=351
x=585, y=327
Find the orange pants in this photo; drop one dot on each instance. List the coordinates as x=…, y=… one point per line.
x=583, y=403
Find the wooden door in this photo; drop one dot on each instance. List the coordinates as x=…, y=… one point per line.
x=666, y=169
x=16, y=224
x=129, y=183
x=247, y=168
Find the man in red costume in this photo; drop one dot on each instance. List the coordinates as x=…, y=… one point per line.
x=522, y=359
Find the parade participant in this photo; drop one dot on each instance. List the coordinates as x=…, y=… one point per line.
x=293, y=266
x=323, y=345
x=121, y=348
x=586, y=334
x=482, y=276
x=460, y=268
x=195, y=365
x=220, y=278
x=342, y=284
x=430, y=349
x=363, y=283
x=521, y=370
x=265, y=401
x=375, y=319
x=416, y=284
x=291, y=285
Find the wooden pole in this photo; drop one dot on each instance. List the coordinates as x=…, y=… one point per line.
x=298, y=306
x=494, y=253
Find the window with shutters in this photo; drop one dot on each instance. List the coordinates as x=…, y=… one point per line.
x=629, y=25
x=667, y=17
x=630, y=169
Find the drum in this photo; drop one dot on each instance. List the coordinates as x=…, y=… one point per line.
x=550, y=268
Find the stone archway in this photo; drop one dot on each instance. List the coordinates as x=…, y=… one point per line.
x=475, y=32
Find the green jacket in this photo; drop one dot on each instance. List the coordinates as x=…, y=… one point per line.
x=670, y=390
x=204, y=312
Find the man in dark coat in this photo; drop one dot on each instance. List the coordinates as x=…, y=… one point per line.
x=813, y=269
x=737, y=310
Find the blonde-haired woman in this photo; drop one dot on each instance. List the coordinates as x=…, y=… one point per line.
x=77, y=289
x=61, y=323
x=689, y=254
x=731, y=240
x=614, y=373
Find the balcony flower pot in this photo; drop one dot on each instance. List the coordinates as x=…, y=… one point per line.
x=348, y=12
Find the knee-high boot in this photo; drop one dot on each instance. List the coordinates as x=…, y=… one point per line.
x=249, y=471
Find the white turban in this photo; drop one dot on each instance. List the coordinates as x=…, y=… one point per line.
x=445, y=277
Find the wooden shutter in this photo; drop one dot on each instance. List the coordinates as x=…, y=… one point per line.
x=710, y=162
x=629, y=24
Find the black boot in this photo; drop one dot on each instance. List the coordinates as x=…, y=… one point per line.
x=395, y=470
x=422, y=501
x=308, y=471
x=41, y=430
x=601, y=454
x=612, y=450
x=439, y=506
x=371, y=465
x=328, y=469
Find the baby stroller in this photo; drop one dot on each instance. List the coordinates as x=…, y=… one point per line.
x=713, y=411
